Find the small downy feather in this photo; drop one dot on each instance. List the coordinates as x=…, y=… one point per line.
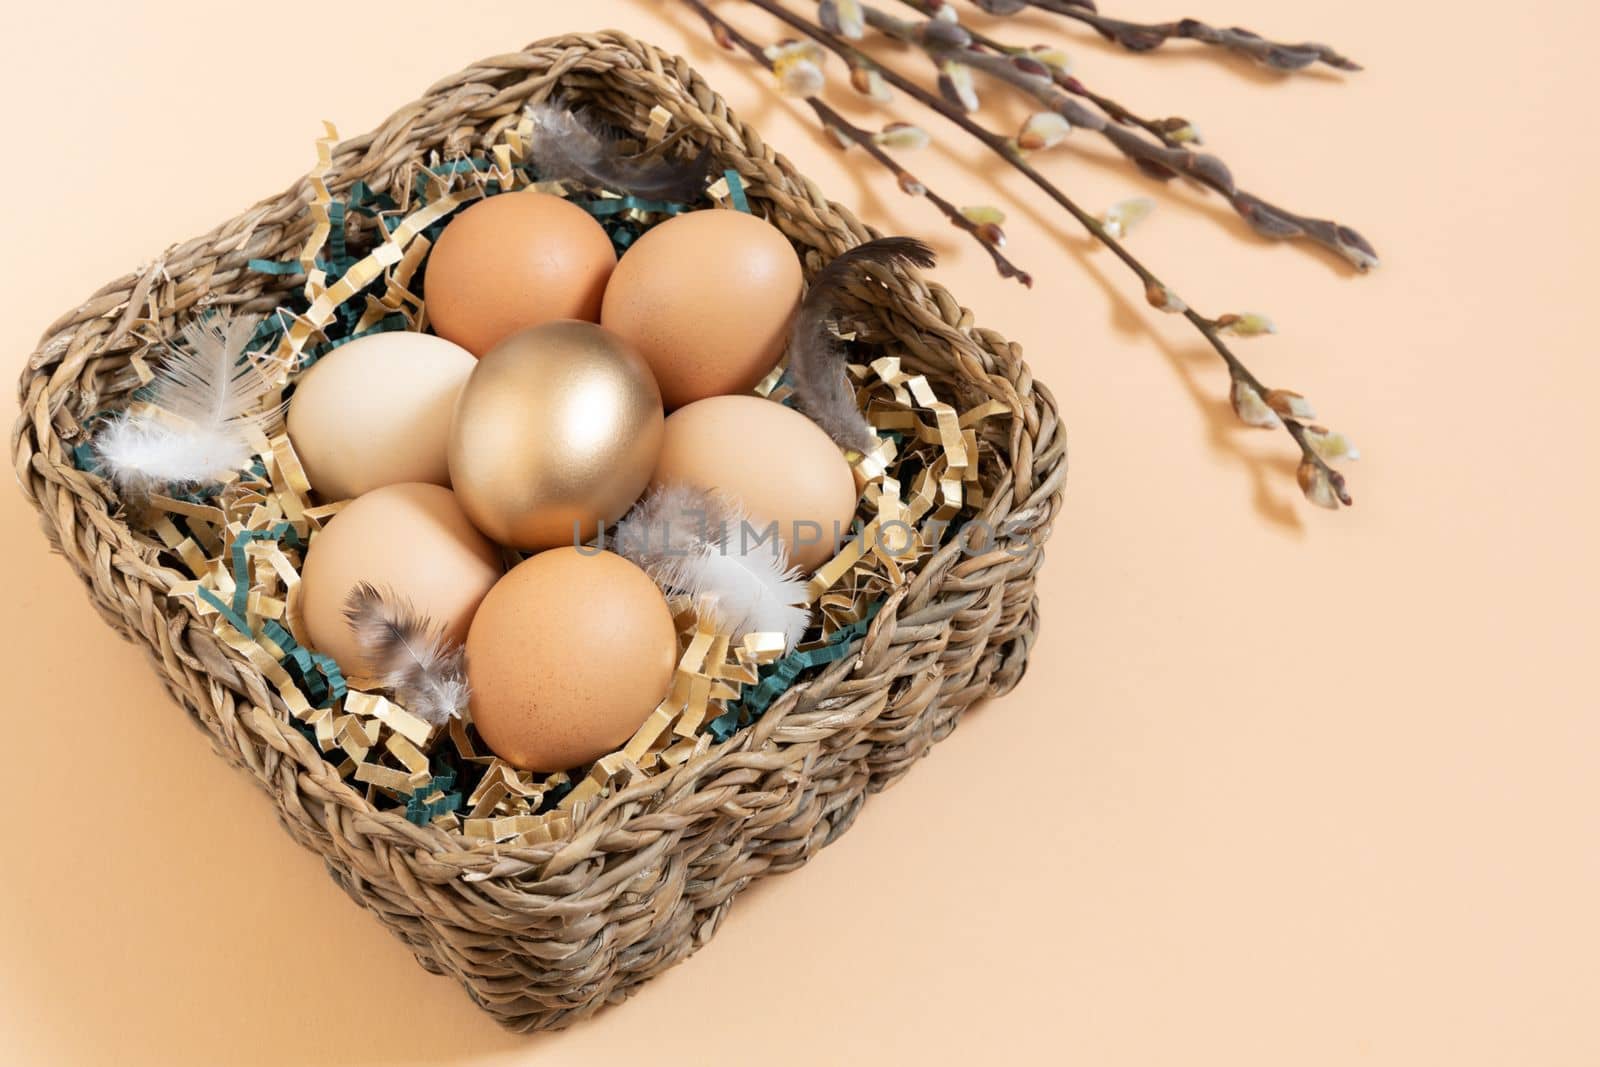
x=212, y=402
x=408, y=654
x=704, y=545
x=816, y=359
x=566, y=147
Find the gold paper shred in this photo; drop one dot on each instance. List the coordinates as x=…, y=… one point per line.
x=988, y=409
x=323, y=512
x=265, y=607
x=205, y=512
x=770, y=382
x=319, y=203
x=484, y=800
x=645, y=737
x=384, y=777
x=407, y=753
x=659, y=118
x=391, y=715
x=166, y=532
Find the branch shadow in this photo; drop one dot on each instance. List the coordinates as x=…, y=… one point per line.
x=1272, y=476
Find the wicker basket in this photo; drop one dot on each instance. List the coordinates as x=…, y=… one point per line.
x=543, y=935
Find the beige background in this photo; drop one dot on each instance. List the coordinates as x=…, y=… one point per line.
x=1282, y=786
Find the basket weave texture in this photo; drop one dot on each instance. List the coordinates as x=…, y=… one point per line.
x=543, y=935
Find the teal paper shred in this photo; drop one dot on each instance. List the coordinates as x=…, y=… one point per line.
x=777, y=678
x=341, y=260
x=736, y=191
x=617, y=205
x=85, y=458
x=217, y=602
x=318, y=676
x=363, y=201
x=283, y=532
x=419, y=811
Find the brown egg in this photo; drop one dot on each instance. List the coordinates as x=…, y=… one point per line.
x=413, y=542
x=377, y=411
x=706, y=297
x=569, y=654
x=775, y=461
x=514, y=261
x=555, y=435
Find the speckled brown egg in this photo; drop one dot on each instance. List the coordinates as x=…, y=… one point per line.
x=568, y=655
x=707, y=298
x=413, y=542
x=513, y=261
x=776, y=462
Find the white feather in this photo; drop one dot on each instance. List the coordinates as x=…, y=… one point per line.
x=694, y=542
x=209, y=399
x=748, y=592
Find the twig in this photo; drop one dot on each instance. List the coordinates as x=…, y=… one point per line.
x=1315, y=473
x=946, y=42
x=729, y=37
x=1147, y=36
x=1161, y=129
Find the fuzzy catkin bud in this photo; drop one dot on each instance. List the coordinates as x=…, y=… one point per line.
x=1317, y=486
x=868, y=82
x=1330, y=444
x=902, y=135
x=843, y=17
x=1163, y=299
x=1120, y=218
x=1249, y=324
x=956, y=85
x=797, y=67
x=1251, y=409
x=1289, y=404
x=1054, y=58
x=1044, y=129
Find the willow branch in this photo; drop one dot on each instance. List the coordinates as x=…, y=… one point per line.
x=946, y=42
x=1313, y=469
x=1147, y=36
x=729, y=37
x=1161, y=129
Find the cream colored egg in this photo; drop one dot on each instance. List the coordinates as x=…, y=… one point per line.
x=377, y=411
x=781, y=466
x=569, y=654
x=413, y=543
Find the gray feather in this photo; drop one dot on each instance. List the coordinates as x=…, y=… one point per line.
x=816, y=358
x=566, y=147
x=408, y=655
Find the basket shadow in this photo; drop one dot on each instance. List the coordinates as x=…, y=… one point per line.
x=144, y=927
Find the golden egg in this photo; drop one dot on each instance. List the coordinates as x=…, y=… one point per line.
x=513, y=261
x=707, y=298
x=781, y=466
x=555, y=435
x=568, y=655
x=412, y=542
